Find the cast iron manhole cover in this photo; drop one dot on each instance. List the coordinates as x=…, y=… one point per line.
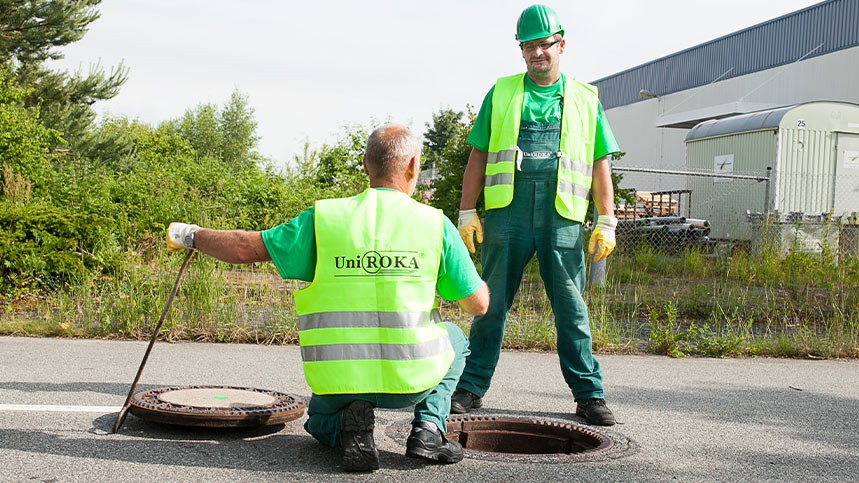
x=216, y=406
x=528, y=439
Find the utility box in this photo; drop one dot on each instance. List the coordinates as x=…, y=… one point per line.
x=812, y=148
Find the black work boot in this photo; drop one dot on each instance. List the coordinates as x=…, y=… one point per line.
x=595, y=412
x=463, y=401
x=426, y=441
x=359, y=448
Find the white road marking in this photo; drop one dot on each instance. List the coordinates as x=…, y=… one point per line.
x=59, y=409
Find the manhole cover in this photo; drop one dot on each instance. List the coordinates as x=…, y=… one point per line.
x=217, y=397
x=216, y=406
x=511, y=438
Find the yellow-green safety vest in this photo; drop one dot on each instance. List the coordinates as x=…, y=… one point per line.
x=367, y=322
x=575, y=158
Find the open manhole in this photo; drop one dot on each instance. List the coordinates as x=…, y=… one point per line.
x=521, y=436
x=216, y=406
x=518, y=439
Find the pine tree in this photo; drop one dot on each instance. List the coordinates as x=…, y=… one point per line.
x=30, y=33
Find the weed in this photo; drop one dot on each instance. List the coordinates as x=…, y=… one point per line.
x=663, y=338
x=683, y=305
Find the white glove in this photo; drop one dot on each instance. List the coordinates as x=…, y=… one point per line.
x=602, y=239
x=180, y=236
x=465, y=216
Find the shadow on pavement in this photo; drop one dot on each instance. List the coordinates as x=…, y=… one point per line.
x=279, y=448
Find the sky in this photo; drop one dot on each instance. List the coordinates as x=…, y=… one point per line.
x=309, y=69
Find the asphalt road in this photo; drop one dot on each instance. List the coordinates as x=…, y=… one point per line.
x=687, y=419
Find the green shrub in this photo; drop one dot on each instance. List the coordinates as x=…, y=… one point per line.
x=45, y=247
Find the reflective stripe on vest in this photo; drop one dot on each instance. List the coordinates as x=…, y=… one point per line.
x=366, y=322
x=578, y=129
x=387, y=320
x=389, y=352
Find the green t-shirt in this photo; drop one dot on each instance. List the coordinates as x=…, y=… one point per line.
x=292, y=247
x=541, y=104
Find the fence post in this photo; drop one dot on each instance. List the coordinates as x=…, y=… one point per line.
x=597, y=275
x=767, y=192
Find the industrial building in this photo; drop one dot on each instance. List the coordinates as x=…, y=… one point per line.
x=810, y=152
x=806, y=56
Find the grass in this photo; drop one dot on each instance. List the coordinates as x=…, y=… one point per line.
x=801, y=305
x=215, y=303
x=686, y=304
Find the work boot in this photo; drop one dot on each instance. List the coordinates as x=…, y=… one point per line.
x=595, y=412
x=359, y=448
x=426, y=441
x=463, y=401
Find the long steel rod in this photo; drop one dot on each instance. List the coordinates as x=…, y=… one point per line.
x=120, y=418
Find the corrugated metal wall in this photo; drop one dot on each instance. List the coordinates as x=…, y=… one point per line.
x=806, y=178
x=783, y=40
x=724, y=204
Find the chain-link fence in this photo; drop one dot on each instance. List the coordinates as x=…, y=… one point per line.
x=801, y=213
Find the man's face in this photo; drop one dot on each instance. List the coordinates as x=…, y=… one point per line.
x=541, y=55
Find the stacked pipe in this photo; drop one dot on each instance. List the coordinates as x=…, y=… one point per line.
x=670, y=233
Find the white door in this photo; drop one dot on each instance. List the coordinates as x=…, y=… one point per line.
x=847, y=174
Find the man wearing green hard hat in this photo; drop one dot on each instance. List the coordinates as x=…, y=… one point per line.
x=540, y=148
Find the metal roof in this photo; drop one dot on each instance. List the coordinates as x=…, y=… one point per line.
x=817, y=30
x=754, y=121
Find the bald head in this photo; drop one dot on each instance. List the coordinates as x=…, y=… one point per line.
x=390, y=148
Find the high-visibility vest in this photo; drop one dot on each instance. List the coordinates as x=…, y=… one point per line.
x=576, y=149
x=368, y=322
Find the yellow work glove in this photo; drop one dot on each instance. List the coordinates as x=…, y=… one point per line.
x=469, y=225
x=180, y=236
x=604, y=235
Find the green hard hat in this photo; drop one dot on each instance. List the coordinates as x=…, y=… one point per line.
x=537, y=22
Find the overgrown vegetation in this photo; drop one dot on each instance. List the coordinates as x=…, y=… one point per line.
x=84, y=206
x=705, y=304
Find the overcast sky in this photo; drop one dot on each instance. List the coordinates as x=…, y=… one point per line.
x=309, y=68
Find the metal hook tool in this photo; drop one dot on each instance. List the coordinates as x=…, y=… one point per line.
x=120, y=418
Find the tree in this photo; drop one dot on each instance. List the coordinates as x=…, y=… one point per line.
x=30, y=32
x=227, y=134
x=31, y=29
x=200, y=127
x=65, y=99
x=451, y=136
x=338, y=167
x=238, y=131
x=443, y=128
x=25, y=157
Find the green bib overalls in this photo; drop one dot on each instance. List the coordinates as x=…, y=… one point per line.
x=512, y=235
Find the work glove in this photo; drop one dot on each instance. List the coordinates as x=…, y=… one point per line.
x=469, y=224
x=180, y=236
x=604, y=235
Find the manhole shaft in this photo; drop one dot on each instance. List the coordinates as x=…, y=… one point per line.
x=521, y=436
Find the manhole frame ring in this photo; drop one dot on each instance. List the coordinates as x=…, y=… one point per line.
x=621, y=445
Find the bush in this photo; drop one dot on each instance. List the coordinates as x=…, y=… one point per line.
x=43, y=247
x=25, y=157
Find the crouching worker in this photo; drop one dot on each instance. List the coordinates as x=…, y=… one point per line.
x=370, y=334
